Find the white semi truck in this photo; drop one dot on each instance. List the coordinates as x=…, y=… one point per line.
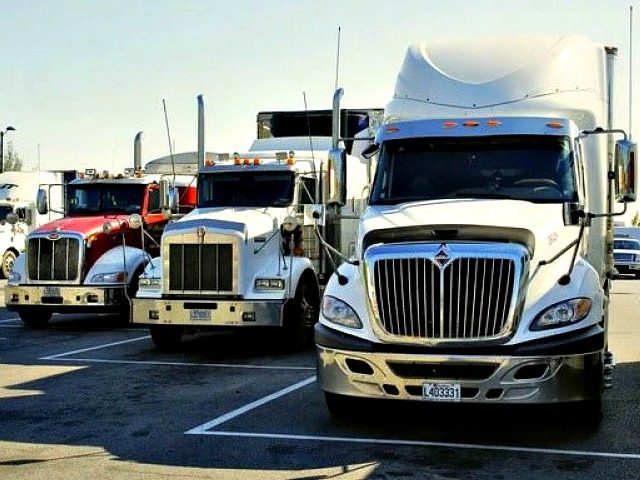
x=483, y=260
x=248, y=256
x=18, y=213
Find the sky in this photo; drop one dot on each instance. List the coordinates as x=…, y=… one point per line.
x=78, y=79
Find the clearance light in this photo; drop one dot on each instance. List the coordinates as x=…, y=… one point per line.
x=90, y=172
x=494, y=123
x=291, y=158
x=208, y=163
x=449, y=124
x=555, y=125
x=246, y=161
x=392, y=129
x=236, y=158
x=470, y=124
x=256, y=161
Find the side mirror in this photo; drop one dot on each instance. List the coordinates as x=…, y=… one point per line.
x=42, y=202
x=337, y=181
x=370, y=151
x=168, y=198
x=625, y=171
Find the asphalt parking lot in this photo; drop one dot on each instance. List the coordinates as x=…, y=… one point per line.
x=90, y=398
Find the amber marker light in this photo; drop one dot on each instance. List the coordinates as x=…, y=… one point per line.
x=494, y=123
x=449, y=124
x=470, y=124
x=555, y=125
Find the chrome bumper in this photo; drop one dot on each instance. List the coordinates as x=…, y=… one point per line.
x=209, y=313
x=66, y=298
x=483, y=379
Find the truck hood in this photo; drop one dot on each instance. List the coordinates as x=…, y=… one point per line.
x=85, y=226
x=543, y=223
x=251, y=221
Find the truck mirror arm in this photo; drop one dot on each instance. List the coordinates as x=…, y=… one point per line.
x=342, y=280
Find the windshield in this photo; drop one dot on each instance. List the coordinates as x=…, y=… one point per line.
x=99, y=198
x=626, y=244
x=524, y=167
x=246, y=189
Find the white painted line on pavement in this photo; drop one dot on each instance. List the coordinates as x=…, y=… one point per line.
x=97, y=347
x=202, y=429
x=9, y=320
x=185, y=364
x=417, y=443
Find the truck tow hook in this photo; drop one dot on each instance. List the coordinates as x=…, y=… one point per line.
x=609, y=367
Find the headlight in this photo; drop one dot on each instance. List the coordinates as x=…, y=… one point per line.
x=149, y=282
x=562, y=314
x=339, y=312
x=14, y=278
x=110, y=277
x=269, y=284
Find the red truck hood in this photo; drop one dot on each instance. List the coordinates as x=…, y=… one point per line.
x=83, y=225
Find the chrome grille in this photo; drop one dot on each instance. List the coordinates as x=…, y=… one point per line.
x=623, y=257
x=53, y=259
x=468, y=298
x=201, y=267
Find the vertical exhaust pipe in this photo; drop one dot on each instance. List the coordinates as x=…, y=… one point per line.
x=137, y=152
x=200, y=131
x=335, y=118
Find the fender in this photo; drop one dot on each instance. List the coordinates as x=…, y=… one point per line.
x=118, y=259
x=297, y=266
x=19, y=274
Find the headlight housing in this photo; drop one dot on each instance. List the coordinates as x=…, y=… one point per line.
x=562, y=314
x=269, y=284
x=109, y=277
x=149, y=282
x=339, y=312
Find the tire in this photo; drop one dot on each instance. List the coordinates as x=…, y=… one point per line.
x=8, y=259
x=300, y=315
x=166, y=337
x=35, y=319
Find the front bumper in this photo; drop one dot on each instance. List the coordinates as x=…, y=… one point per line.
x=66, y=299
x=534, y=375
x=627, y=268
x=204, y=313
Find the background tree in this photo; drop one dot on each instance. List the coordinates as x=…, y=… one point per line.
x=12, y=161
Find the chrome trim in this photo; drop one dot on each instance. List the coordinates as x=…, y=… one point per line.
x=70, y=296
x=565, y=378
x=192, y=238
x=460, y=256
x=61, y=236
x=222, y=312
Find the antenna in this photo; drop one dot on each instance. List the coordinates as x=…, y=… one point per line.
x=166, y=121
x=630, y=69
x=337, y=60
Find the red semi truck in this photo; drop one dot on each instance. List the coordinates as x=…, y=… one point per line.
x=90, y=260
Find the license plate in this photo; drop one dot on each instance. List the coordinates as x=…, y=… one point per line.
x=447, y=392
x=200, y=315
x=51, y=292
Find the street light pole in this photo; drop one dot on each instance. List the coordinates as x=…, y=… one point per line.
x=8, y=129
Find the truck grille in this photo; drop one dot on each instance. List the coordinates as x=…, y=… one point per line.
x=53, y=259
x=623, y=257
x=201, y=267
x=469, y=298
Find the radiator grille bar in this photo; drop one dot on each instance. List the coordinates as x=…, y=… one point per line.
x=53, y=259
x=469, y=298
x=201, y=267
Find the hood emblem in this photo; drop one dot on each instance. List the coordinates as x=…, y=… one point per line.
x=442, y=257
x=55, y=234
x=200, y=232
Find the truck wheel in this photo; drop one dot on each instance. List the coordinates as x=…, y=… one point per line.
x=8, y=259
x=35, y=319
x=300, y=315
x=166, y=337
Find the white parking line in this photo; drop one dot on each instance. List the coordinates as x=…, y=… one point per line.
x=419, y=443
x=202, y=429
x=206, y=429
x=97, y=347
x=10, y=320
